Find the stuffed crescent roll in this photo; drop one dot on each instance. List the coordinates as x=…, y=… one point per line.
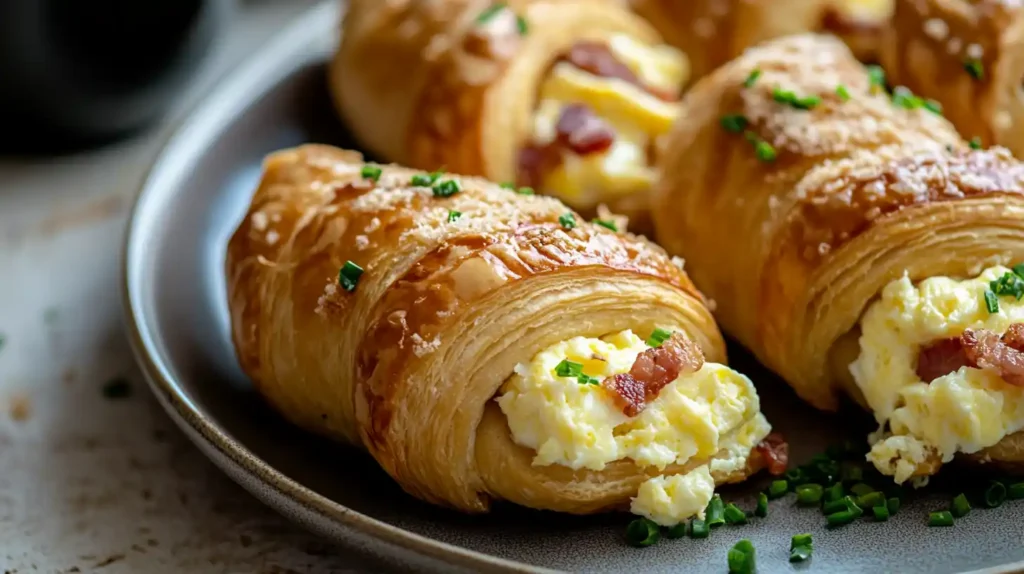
x=968, y=55
x=567, y=97
x=856, y=244
x=860, y=23
x=484, y=345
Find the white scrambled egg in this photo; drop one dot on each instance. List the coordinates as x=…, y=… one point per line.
x=635, y=116
x=964, y=411
x=581, y=426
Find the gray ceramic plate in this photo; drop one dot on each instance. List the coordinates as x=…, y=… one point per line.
x=175, y=304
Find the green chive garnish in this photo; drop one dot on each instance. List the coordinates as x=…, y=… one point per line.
x=860, y=489
x=607, y=224
x=933, y=107
x=960, y=506
x=525, y=191
x=658, y=336
x=741, y=558
x=902, y=97
x=642, y=532
x=943, y=518
x=752, y=78
x=881, y=513
x=765, y=152
x=453, y=215
x=490, y=13
x=975, y=68
x=837, y=505
x=809, y=494
x=447, y=188
x=975, y=143
x=778, y=489
x=877, y=77
x=843, y=93
x=567, y=220
x=699, y=528
x=762, y=504
x=834, y=493
x=714, y=515
x=800, y=540
x=677, y=531
x=790, y=98
x=371, y=172
x=733, y=123
x=1010, y=284
x=522, y=26
x=1018, y=269
x=507, y=185
x=893, y=504
x=568, y=368
x=800, y=553
x=841, y=518
x=348, y=276
x=424, y=179
x=871, y=500
x=991, y=302
x=733, y=515
x=1015, y=491
x=995, y=494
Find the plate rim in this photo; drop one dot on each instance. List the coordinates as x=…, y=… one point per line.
x=238, y=89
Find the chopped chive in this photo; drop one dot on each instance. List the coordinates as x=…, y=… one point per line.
x=995, y=494
x=790, y=98
x=933, y=107
x=658, y=337
x=453, y=215
x=1015, y=491
x=960, y=506
x=893, y=504
x=587, y=380
x=733, y=123
x=871, y=500
x=834, y=493
x=525, y=191
x=765, y=151
x=1009, y=284
x=699, y=528
x=752, y=78
x=860, y=489
x=809, y=494
x=843, y=93
x=799, y=553
x=677, y=531
x=447, y=188
x=762, y=504
x=490, y=12
x=567, y=220
x=991, y=302
x=778, y=489
x=507, y=185
x=795, y=476
x=943, y=518
x=877, y=77
x=741, y=558
x=881, y=513
x=902, y=97
x=607, y=224
x=568, y=368
x=975, y=68
x=522, y=26
x=348, y=276
x=800, y=540
x=424, y=179
x=642, y=532
x=733, y=514
x=1018, y=269
x=714, y=515
x=371, y=172
x=843, y=503
x=975, y=143
x=841, y=518
x=855, y=509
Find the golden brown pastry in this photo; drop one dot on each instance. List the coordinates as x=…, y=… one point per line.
x=565, y=96
x=860, y=23
x=854, y=242
x=485, y=345
x=968, y=55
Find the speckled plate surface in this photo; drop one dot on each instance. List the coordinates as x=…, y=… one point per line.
x=177, y=316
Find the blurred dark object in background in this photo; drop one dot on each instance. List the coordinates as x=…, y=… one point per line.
x=75, y=73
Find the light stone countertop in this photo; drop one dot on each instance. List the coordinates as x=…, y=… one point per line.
x=90, y=483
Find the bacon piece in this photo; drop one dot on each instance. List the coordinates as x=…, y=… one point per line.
x=987, y=350
x=652, y=370
x=775, y=451
x=582, y=131
x=597, y=59
x=941, y=358
x=535, y=161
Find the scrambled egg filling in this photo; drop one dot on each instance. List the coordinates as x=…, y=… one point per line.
x=636, y=117
x=714, y=411
x=964, y=411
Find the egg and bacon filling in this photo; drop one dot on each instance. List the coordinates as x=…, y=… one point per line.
x=600, y=111
x=587, y=402
x=941, y=364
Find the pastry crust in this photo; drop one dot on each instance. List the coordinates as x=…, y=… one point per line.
x=414, y=86
x=861, y=28
x=793, y=250
x=407, y=364
x=929, y=43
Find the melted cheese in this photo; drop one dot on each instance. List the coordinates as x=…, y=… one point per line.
x=866, y=10
x=579, y=426
x=964, y=411
x=634, y=115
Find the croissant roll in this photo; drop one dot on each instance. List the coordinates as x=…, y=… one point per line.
x=967, y=55
x=853, y=242
x=486, y=345
x=568, y=97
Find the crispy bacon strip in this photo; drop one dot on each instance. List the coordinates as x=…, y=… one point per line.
x=775, y=451
x=652, y=371
x=979, y=349
x=580, y=130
